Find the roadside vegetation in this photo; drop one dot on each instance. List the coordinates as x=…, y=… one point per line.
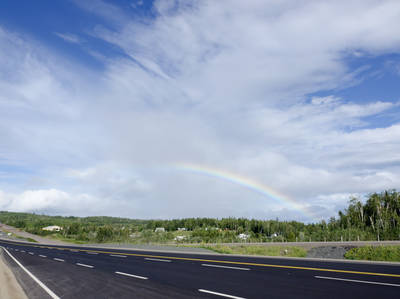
x=378, y=218
x=290, y=251
x=374, y=253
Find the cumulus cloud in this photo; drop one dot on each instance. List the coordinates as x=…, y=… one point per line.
x=224, y=86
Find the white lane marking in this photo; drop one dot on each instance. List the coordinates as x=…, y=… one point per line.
x=226, y=267
x=74, y=250
x=360, y=281
x=117, y=255
x=31, y=253
x=41, y=255
x=16, y=250
x=130, y=275
x=22, y=250
x=88, y=252
x=48, y=291
x=84, y=265
x=157, y=260
x=58, y=260
x=220, y=294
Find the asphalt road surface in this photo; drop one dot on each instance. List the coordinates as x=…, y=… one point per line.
x=79, y=272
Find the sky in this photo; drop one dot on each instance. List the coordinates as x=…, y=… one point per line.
x=170, y=109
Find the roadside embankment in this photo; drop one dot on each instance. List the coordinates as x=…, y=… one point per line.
x=9, y=287
x=373, y=251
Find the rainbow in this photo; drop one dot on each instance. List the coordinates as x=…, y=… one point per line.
x=244, y=182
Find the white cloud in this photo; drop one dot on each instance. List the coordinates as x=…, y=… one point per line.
x=225, y=86
x=68, y=37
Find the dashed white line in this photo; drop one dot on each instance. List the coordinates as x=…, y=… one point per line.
x=84, y=265
x=220, y=294
x=22, y=250
x=157, y=260
x=50, y=292
x=74, y=250
x=31, y=253
x=16, y=249
x=226, y=267
x=88, y=252
x=117, y=255
x=41, y=255
x=130, y=275
x=359, y=281
x=58, y=260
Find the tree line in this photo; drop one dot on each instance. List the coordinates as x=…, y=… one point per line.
x=377, y=218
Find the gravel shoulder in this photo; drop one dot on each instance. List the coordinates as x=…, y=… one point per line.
x=9, y=287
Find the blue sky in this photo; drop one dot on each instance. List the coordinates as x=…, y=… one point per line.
x=102, y=102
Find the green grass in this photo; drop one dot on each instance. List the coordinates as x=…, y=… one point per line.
x=374, y=253
x=291, y=251
x=67, y=240
x=25, y=239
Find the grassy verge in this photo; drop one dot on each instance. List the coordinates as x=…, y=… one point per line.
x=26, y=239
x=20, y=237
x=374, y=253
x=67, y=240
x=291, y=251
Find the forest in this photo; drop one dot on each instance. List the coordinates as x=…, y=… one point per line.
x=377, y=217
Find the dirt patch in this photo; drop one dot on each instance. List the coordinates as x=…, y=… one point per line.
x=10, y=289
x=329, y=252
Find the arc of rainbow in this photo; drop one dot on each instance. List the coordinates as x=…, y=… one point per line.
x=244, y=182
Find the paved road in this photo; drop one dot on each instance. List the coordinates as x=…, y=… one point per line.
x=77, y=272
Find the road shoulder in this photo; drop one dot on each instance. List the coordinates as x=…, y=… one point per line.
x=10, y=288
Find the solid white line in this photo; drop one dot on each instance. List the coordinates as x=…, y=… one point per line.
x=117, y=255
x=220, y=294
x=130, y=275
x=84, y=265
x=50, y=292
x=41, y=255
x=58, y=260
x=157, y=260
x=218, y=266
x=360, y=281
x=88, y=252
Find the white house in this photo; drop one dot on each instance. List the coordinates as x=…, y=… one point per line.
x=52, y=228
x=180, y=238
x=243, y=236
x=159, y=230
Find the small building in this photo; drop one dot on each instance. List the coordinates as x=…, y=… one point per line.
x=52, y=228
x=243, y=236
x=180, y=238
x=181, y=229
x=159, y=230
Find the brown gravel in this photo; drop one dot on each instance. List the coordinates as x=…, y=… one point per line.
x=9, y=287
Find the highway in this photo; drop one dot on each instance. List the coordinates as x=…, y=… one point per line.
x=84, y=272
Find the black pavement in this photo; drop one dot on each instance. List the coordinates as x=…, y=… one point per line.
x=84, y=272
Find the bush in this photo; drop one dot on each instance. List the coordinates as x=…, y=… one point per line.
x=374, y=253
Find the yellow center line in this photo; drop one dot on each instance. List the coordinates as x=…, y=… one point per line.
x=221, y=261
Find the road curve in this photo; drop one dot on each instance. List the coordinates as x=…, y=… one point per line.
x=84, y=272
